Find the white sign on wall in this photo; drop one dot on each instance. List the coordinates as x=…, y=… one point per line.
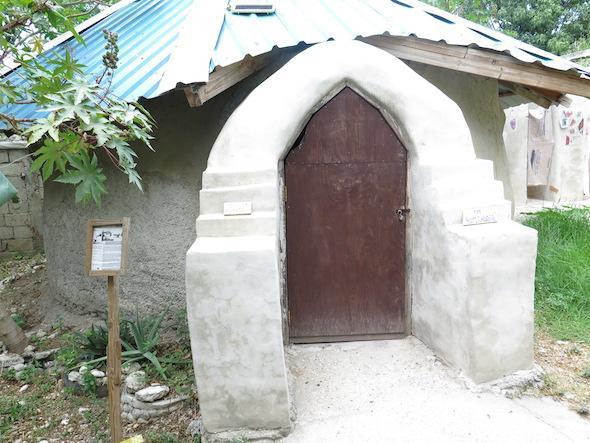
x=479, y=216
x=237, y=208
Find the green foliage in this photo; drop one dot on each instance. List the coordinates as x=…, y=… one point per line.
x=83, y=117
x=139, y=337
x=14, y=409
x=562, y=282
x=18, y=319
x=145, y=334
x=89, y=383
x=555, y=25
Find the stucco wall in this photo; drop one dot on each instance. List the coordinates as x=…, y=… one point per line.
x=479, y=101
x=163, y=217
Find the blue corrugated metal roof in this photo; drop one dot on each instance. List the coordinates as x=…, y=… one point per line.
x=148, y=30
x=313, y=21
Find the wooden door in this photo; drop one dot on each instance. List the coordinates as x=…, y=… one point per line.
x=346, y=178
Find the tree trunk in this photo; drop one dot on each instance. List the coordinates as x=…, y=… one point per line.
x=11, y=335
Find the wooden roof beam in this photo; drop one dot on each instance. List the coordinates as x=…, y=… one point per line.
x=482, y=62
x=224, y=78
x=541, y=97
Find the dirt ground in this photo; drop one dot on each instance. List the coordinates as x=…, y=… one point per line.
x=44, y=410
x=567, y=371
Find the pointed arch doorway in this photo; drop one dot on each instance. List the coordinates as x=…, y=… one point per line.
x=346, y=180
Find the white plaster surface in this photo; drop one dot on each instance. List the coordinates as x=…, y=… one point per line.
x=397, y=391
x=516, y=133
x=568, y=178
x=468, y=287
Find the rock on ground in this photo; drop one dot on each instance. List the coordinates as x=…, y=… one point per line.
x=152, y=393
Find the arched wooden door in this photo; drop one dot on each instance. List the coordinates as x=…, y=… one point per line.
x=346, y=178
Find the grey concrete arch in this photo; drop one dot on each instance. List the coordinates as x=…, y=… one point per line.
x=472, y=299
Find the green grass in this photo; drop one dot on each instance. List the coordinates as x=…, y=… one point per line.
x=562, y=283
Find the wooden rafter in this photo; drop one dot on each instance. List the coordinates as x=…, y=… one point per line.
x=541, y=97
x=226, y=77
x=482, y=62
x=535, y=82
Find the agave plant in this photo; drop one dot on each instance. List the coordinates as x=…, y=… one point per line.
x=144, y=333
x=93, y=342
x=139, y=338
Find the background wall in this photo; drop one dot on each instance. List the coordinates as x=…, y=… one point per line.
x=21, y=222
x=163, y=216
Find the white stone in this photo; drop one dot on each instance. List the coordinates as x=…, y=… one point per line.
x=136, y=381
x=41, y=333
x=19, y=367
x=97, y=373
x=44, y=355
x=8, y=360
x=74, y=377
x=83, y=369
x=128, y=368
x=152, y=393
x=472, y=296
x=29, y=349
x=23, y=388
x=82, y=410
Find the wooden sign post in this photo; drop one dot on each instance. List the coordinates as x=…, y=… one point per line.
x=106, y=255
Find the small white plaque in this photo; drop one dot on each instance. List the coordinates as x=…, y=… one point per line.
x=479, y=216
x=237, y=208
x=107, y=245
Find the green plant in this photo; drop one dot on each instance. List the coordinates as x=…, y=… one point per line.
x=69, y=354
x=18, y=319
x=562, y=281
x=140, y=340
x=145, y=334
x=94, y=341
x=586, y=372
x=89, y=383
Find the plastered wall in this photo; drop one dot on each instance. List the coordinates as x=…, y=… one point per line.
x=163, y=216
x=560, y=162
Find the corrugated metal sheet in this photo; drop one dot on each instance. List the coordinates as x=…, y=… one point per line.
x=148, y=31
x=314, y=21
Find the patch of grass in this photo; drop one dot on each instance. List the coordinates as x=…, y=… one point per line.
x=15, y=409
x=562, y=283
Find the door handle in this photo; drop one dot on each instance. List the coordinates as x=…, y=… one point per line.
x=401, y=213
